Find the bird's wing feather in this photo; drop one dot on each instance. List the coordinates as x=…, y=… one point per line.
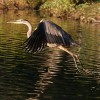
x=52, y=34
x=37, y=41
x=55, y=34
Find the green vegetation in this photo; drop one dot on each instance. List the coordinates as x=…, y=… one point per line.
x=84, y=10
x=57, y=7
x=63, y=8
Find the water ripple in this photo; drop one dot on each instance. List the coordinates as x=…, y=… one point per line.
x=50, y=74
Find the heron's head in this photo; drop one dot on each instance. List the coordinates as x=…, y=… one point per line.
x=20, y=21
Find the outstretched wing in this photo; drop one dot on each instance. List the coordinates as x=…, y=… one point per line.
x=55, y=34
x=37, y=41
x=47, y=32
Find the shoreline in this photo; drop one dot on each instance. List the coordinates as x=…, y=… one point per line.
x=84, y=13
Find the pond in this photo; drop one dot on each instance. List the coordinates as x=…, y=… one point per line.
x=25, y=76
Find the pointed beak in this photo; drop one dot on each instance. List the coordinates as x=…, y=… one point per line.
x=14, y=22
x=11, y=22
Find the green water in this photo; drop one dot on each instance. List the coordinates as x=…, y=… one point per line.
x=25, y=76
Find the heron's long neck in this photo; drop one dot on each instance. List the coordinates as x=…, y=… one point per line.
x=29, y=29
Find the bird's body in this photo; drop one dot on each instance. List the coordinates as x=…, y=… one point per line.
x=47, y=34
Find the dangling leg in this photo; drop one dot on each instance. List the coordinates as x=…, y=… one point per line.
x=69, y=52
x=73, y=55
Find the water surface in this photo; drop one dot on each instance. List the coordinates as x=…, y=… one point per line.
x=50, y=74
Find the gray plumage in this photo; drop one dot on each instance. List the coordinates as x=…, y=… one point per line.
x=48, y=33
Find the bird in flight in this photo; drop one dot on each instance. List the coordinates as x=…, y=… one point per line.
x=47, y=34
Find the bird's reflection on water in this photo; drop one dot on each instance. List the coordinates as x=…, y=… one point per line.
x=48, y=70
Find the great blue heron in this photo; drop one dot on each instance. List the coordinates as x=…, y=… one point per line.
x=48, y=34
